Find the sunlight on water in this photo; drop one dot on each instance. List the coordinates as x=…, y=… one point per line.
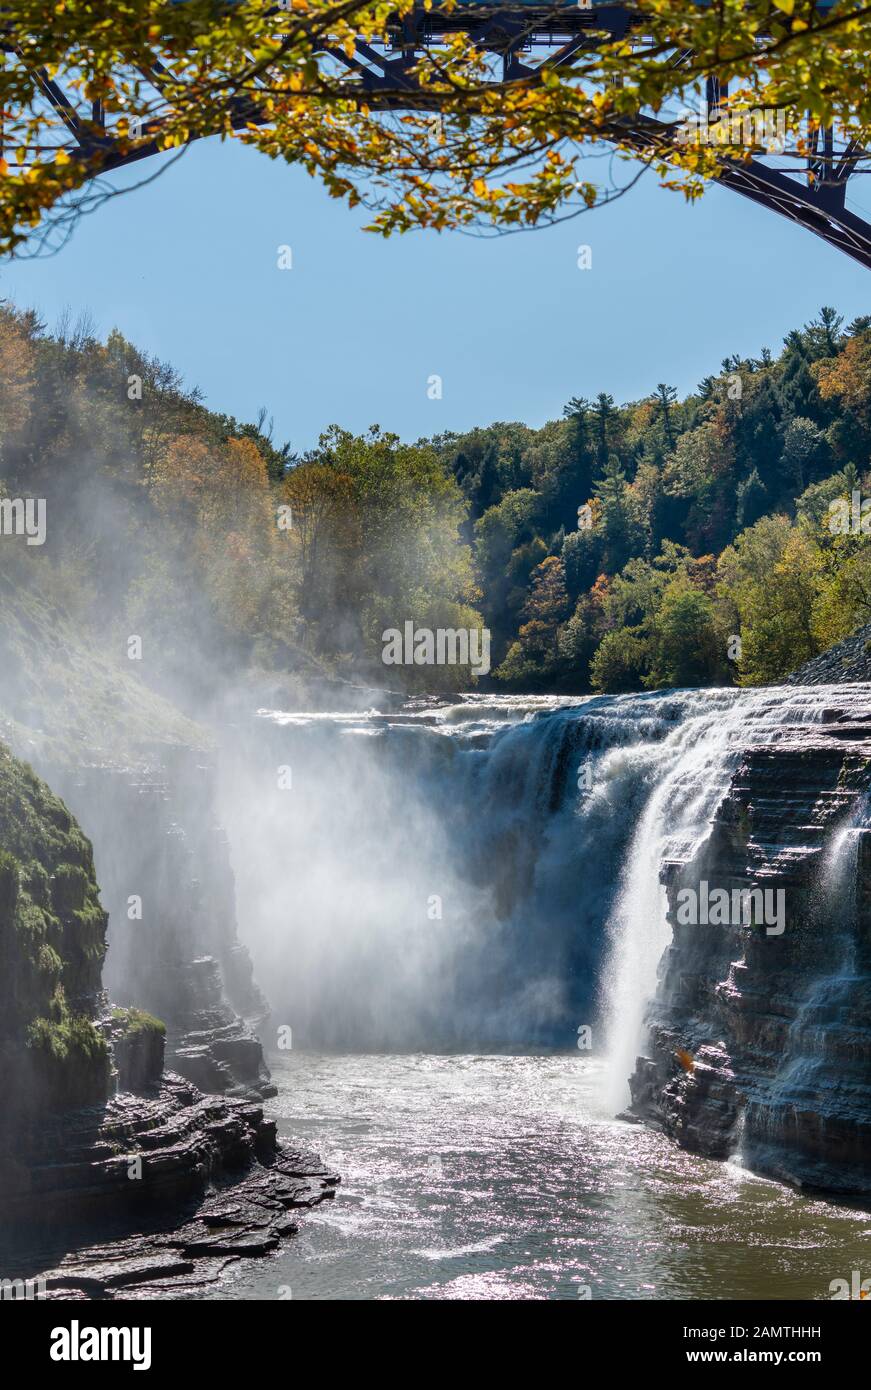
x=493, y=1178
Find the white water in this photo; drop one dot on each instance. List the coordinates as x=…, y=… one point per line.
x=552, y=913
x=810, y=1058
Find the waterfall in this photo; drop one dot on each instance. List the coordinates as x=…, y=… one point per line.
x=483, y=873
x=687, y=775
x=811, y=1056
x=839, y=880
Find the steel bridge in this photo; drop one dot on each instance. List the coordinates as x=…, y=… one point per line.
x=523, y=37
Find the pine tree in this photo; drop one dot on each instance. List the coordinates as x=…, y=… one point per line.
x=665, y=397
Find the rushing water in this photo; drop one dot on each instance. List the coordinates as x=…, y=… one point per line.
x=483, y=874
x=453, y=883
x=491, y=1177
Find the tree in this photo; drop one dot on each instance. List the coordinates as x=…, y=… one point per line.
x=684, y=639
x=603, y=409
x=698, y=471
x=751, y=494
x=504, y=153
x=545, y=609
x=804, y=450
x=392, y=549
x=621, y=662
x=822, y=335
x=17, y=368
x=848, y=377
x=665, y=397
x=618, y=532
x=578, y=474
x=324, y=532
x=772, y=578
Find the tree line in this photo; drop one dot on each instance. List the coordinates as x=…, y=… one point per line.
x=660, y=542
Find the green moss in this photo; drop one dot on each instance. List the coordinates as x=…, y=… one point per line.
x=69, y=887
x=138, y=1021
x=138, y=1041
x=52, y=944
x=71, y=1059
x=73, y=1035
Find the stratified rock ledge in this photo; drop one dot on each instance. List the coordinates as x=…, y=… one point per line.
x=214, y=1186
x=759, y=1046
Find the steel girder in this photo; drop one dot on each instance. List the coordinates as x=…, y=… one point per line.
x=813, y=198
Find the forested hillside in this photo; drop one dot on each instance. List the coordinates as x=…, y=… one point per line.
x=661, y=542
x=706, y=521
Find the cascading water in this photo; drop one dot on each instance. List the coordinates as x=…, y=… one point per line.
x=824, y=1016
x=687, y=774
x=480, y=874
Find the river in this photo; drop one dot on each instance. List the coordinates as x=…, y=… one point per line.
x=499, y=1177
x=445, y=899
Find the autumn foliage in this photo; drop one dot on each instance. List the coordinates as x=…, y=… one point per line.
x=466, y=145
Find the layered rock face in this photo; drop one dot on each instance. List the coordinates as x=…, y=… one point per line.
x=760, y=1040
x=165, y=878
x=842, y=664
x=93, y=1133
x=179, y=1186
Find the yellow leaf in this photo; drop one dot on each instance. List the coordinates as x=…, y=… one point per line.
x=786, y=5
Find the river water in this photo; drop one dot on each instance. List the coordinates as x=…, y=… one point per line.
x=499, y=1177
x=445, y=898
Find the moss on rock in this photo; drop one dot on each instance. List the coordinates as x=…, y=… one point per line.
x=138, y=1040
x=52, y=945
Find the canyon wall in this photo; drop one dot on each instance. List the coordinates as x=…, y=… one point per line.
x=760, y=1043
x=117, y=1178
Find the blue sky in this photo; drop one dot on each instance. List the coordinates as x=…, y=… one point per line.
x=187, y=268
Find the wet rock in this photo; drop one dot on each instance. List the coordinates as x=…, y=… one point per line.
x=215, y=1187
x=153, y=826
x=777, y=1027
x=846, y=662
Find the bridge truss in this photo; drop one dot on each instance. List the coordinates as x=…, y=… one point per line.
x=522, y=38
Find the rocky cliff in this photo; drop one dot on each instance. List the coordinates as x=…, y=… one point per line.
x=95, y=1136
x=759, y=1039
x=842, y=664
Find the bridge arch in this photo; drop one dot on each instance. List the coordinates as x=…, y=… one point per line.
x=516, y=34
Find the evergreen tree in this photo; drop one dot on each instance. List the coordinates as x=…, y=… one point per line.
x=665, y=397
x=604, y=409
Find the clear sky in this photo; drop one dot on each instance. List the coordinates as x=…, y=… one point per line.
x=187, y=269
